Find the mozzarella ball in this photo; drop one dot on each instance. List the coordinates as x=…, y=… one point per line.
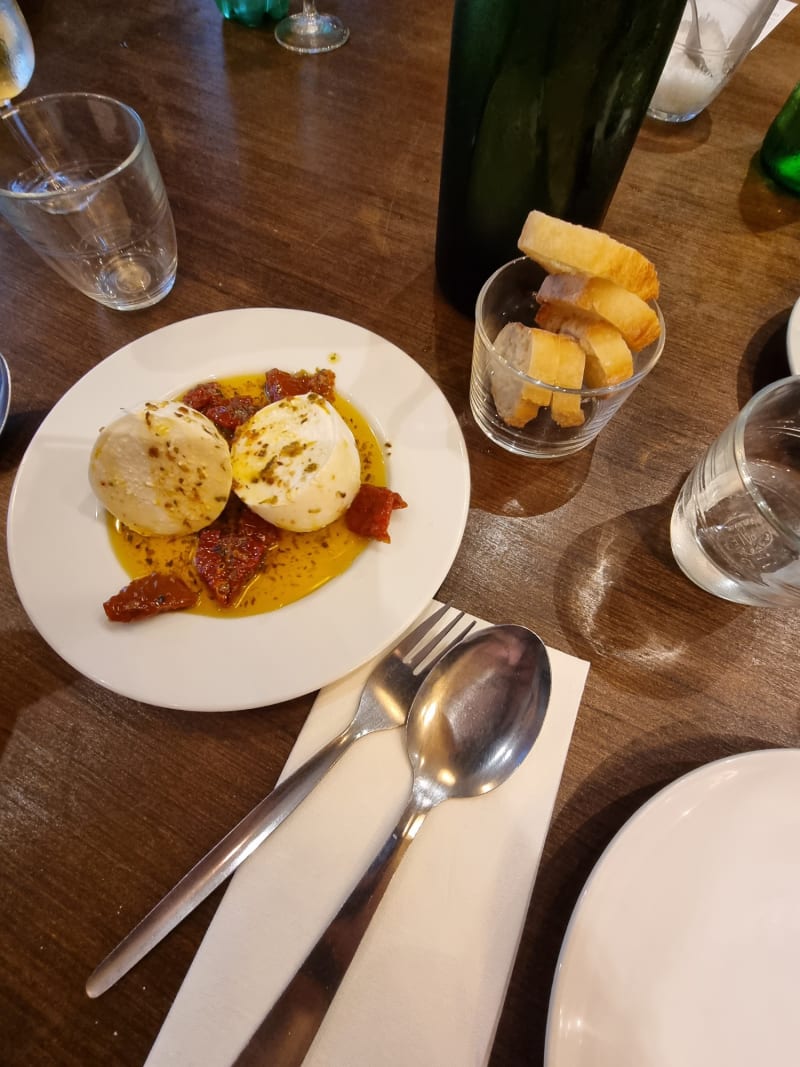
x=296, y=463
x=161, y=470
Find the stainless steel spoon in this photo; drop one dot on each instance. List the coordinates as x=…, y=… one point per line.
x=473, y=721
x=5, y=391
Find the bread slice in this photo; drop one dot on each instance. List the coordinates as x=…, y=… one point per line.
x=608, y=358
x=543, y=366
x=602, y=299
x=514, y=344
x=566, y=248
x=565, y=408
x=551, y=358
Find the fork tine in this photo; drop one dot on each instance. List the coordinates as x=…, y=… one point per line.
x=410, y=641
x=415, y=659
x=416, y=656
x=437, y=655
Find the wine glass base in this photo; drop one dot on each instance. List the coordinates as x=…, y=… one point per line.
x=311, y=33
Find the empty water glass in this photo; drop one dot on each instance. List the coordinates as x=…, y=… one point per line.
x=80, y=184
x=736, y=524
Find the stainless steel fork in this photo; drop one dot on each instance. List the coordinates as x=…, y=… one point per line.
x=385, y=700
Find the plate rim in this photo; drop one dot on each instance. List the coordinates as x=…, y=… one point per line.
x=793, y=338
x=357, y=367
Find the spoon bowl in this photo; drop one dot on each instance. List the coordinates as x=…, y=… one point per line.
x=478, y=713
x=5, y=391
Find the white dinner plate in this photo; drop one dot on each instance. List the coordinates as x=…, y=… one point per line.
x=683, y=948
x=64, y=567
x=793, y=339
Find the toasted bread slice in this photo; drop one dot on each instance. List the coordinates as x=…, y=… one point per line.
x=566, y=248
x=543, y=365
x=538, y=354
x=602, y=299
x=608, y=358
x=565, y=408
x=513, y=343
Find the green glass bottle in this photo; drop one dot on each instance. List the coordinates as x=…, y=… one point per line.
x=253, y=12
x=780, y=152
x=544, y=101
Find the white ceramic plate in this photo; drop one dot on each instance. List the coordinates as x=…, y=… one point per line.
x=683, y=948
x=793, y=339
x=64, y=568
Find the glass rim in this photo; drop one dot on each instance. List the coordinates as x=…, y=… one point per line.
x=589, y=392
x=690, y=50
x=54, y=194
x=743, y=465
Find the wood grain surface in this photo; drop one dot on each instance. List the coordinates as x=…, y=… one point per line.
x=312, y=182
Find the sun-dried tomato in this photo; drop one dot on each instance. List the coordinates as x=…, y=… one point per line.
x=278, y=384
x=201, y=396
x=231, y=551
x=152, y=595
x=370, y=512
x=231, y=412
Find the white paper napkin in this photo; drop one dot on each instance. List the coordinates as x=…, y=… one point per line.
x=428, y=983
x=779, y=13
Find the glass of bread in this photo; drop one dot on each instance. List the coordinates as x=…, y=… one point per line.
x=563, y=335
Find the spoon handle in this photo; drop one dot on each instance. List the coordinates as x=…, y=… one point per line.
x=216, y=865
x=286, y=1033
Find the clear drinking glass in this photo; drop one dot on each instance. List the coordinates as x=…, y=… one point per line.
x=80, y=184
x=311, y=32
x=712, y=40
x=509, y=295
x=735, y=527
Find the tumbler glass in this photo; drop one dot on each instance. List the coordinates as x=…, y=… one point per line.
x=735, y=528
x=712, y=40
x=549, y=421
x=80, y=184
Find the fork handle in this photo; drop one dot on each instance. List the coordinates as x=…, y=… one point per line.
x=287, y=1032
x=216, y=865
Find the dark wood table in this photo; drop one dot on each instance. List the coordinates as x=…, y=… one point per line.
x=312, y=183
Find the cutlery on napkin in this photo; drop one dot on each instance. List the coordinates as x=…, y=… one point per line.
x=429, y=980
x=383, y=705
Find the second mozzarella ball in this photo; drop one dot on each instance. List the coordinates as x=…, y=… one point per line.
x=296, y=464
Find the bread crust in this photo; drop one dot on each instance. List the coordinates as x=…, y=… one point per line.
x=565, y=408
x=602, y=299
x=567, y=248
x=608, y=358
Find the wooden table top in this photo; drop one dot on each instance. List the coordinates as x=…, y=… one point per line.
x=312, y=182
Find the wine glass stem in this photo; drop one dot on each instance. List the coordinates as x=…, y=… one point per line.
x=310, y=9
